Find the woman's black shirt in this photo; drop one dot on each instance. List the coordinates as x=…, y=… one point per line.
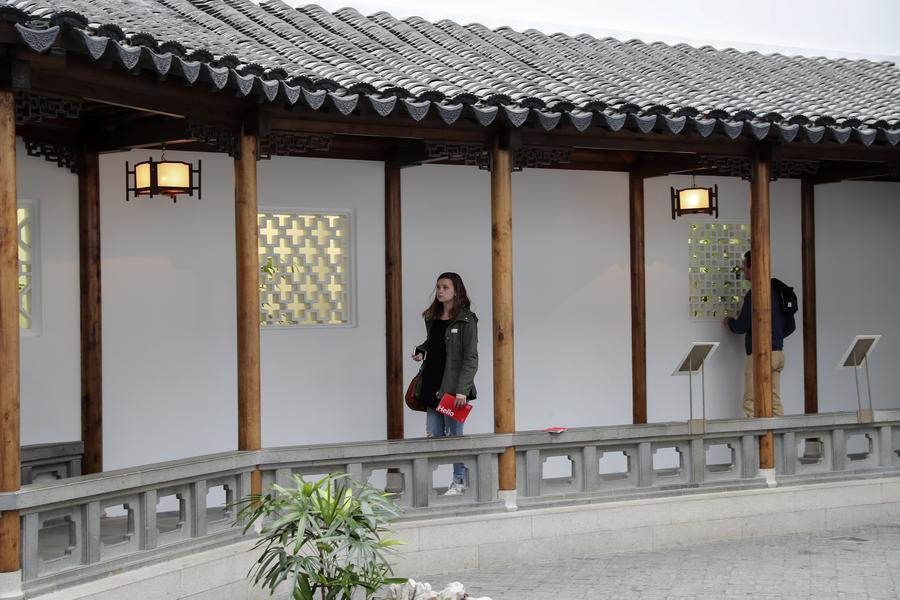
x=433, y=372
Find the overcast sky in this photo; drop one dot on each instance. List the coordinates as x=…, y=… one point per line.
x=852, y=29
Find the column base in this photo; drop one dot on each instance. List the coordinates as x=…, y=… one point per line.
x=11, y=586
x=509, y=498
x=866, y=415
x=696, y=426
x=769, y=476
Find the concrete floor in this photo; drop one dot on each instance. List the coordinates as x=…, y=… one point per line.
x=862, y=563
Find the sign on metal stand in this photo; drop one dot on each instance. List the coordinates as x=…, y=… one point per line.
x=856, y=356
x=690, y=364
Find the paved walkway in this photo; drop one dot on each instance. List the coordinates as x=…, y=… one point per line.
x=849, y=564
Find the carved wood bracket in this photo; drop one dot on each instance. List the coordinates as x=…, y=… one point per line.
x=735, y=166
x=32, y=108
x=290, y=144
x=222, y=139
x=479, y=155
x=64, y=156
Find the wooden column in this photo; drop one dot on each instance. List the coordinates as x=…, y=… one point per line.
x=9, y=333
x=502, y=297
x=247, y=247
x=638, y=300
x=393, y=289
x=91, y=314
x=808, y=253
x=760, y=279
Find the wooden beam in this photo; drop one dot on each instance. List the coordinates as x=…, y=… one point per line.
x=10, y=463
x=393, y=288
x=502, y=302
x=760, y=281
x=86, y=80
x=638, y=300
x=247, y=246
x=91, y=313
x=808, y=256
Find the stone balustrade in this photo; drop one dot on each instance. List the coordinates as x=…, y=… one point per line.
x=83, y=527
x=48, y=462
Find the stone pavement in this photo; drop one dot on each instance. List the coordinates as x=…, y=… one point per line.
x=850, y=564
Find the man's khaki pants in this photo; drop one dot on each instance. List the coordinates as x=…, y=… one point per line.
x=777, y=367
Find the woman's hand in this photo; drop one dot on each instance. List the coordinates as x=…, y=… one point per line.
x=418, y=357
x=461, y=401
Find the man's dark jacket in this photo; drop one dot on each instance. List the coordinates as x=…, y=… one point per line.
x=744, y=320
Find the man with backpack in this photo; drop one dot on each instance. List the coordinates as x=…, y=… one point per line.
x=784, y=305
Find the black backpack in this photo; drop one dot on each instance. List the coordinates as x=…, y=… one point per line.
x=787, y=300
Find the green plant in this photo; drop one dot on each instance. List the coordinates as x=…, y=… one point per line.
x=332, y=536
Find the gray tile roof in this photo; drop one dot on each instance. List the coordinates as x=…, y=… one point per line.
x=310, y=56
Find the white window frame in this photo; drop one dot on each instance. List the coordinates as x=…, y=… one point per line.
x=34, y=207
x=350, y=214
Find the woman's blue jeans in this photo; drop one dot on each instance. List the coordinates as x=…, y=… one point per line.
x=438, y=425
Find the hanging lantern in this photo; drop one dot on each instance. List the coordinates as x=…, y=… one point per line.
x=695, y=201
x=166, y=177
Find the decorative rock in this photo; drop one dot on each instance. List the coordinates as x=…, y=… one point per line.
x=417, y=590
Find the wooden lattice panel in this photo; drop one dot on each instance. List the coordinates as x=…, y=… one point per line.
x=27, y=265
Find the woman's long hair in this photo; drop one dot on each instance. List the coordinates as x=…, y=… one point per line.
x=460, y=299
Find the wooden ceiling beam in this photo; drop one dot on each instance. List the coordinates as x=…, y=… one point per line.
x=83, y=79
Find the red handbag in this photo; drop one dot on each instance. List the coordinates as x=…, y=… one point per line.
x=411, y=401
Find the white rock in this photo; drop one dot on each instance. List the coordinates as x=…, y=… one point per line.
x=417, y=590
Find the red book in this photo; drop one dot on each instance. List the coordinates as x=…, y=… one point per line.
x=446, y=407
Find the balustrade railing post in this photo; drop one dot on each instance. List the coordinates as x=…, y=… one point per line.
x=885, y=446
x=534, y=472
x=645, y=464
x=421, y=482
x=90, y=527
x=485, y=477
x=788, y=453
x=31, y=559
x=283, y=477
x=698, y=460
x=838, y=450
x=198, y=508
x=147, y=519
x=590, y=468
x=749, y=458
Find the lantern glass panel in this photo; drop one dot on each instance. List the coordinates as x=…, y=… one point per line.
x=142, y=177
x=694, y=198
x=173, y=175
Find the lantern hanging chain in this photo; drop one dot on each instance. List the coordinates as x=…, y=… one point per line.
x=162, y=157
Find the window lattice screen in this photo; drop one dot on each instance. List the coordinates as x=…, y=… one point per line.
x=304, y=264
x=717, y=286
x=27, y=265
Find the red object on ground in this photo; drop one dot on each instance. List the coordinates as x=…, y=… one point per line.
x=556, y=429
x=446, y=407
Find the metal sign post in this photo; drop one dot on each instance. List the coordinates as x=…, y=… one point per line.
x=690, y=364
x=858, y=355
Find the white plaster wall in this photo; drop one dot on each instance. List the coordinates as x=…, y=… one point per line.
x=169, y=349
x=669, y=327
x=446, y=216
x=169, y=309
x=50, y=368
x=857, y=288
x=322, y=385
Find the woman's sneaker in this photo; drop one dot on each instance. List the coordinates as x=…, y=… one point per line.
x=455, y=489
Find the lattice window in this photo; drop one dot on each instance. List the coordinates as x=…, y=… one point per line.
x=305, y=268
x=29, y=292
x=717, y=286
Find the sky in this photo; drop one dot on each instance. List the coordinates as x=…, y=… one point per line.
x=857, y=29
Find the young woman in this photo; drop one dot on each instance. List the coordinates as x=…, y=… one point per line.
x=451, y=359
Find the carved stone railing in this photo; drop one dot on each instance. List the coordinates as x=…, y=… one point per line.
x=83, y=527
x=57, y=460
x=416, y=471
x=588, y=464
